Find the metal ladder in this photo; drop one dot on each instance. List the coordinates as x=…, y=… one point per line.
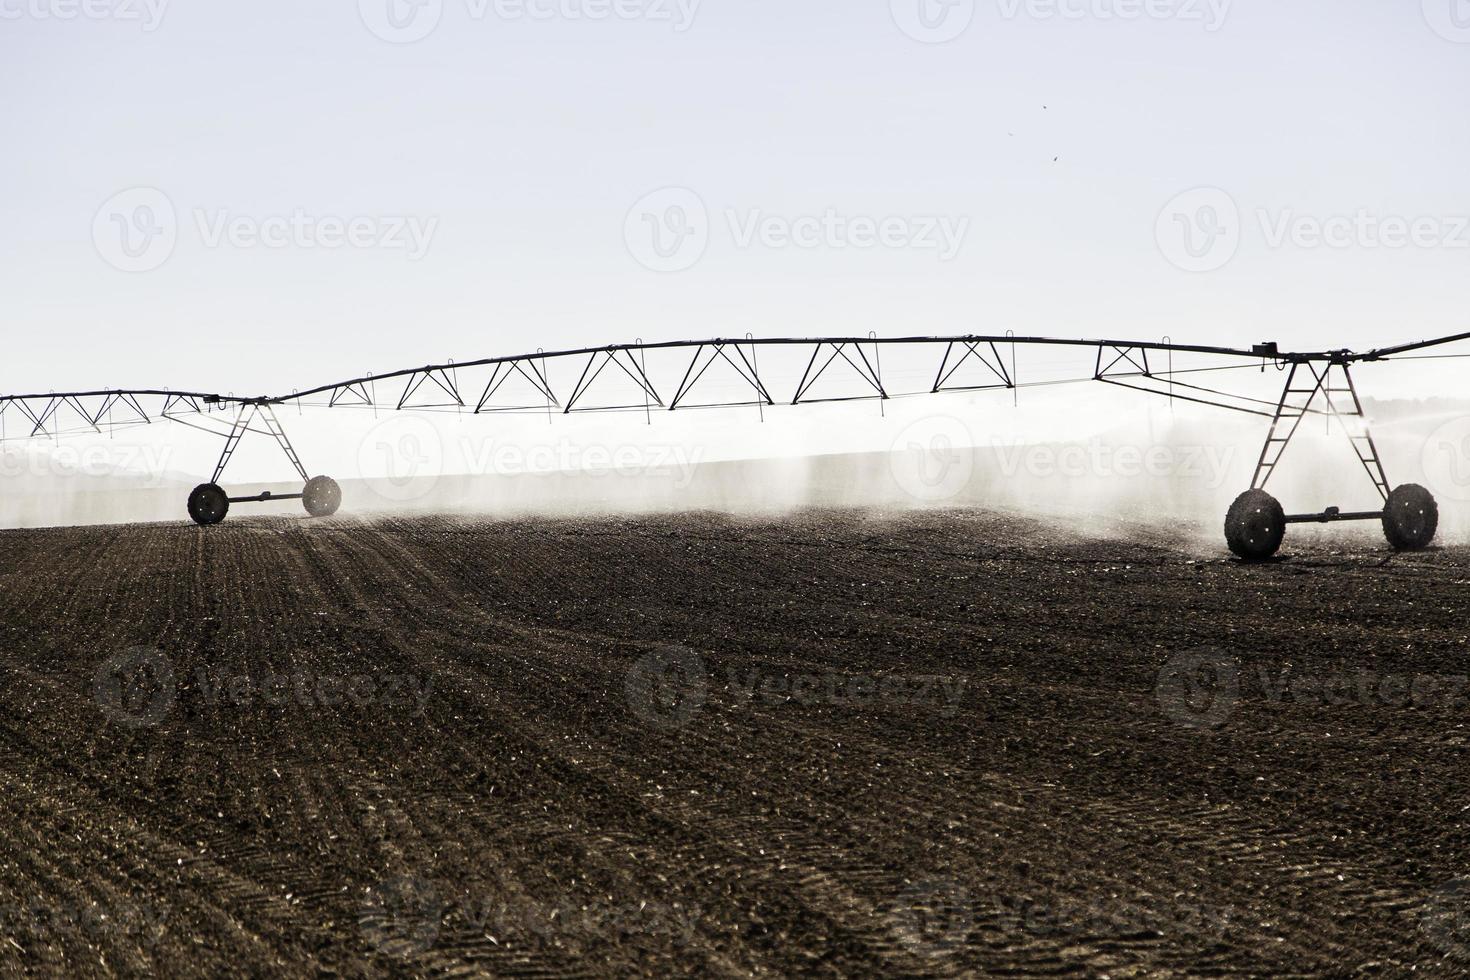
x=1353, y=421
x=273, y=428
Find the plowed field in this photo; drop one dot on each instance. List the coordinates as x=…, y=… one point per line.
x=835, y=744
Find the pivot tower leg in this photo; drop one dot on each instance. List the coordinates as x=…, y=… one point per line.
x=209, y=504
x=1256, y=523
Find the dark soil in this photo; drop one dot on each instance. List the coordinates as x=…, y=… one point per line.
x=838, y=744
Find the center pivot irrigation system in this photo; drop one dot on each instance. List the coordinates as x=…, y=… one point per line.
x=1318, y=383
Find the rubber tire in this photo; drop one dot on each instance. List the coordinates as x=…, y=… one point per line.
x=322, y=496
x=1410, y=518
x=1255, y=525
x=208, y=504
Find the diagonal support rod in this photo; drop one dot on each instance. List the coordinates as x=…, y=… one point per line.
x=744, y=369
x=503, y=373
x=866, y=372
x=273, y=428
x=633, y=369
x=1289, y=416
x=972, y=350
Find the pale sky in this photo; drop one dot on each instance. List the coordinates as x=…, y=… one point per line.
x=834, y=166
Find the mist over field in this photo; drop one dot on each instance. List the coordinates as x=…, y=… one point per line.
x=1089, y=461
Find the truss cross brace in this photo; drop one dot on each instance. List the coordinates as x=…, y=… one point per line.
x=1306, y=381
x=273, y=428
x=746, y=370
x=839, y=349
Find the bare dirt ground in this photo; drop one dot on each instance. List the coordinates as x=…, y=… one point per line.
x=836, y=744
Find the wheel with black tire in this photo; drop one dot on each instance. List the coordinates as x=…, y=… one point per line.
x=322, y=496
x=1255, y=525
x=1410, y=518
x=208, y=504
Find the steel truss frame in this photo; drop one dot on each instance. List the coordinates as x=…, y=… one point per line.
x=1318, y=383
x=1287, y=411
x=859, y=359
